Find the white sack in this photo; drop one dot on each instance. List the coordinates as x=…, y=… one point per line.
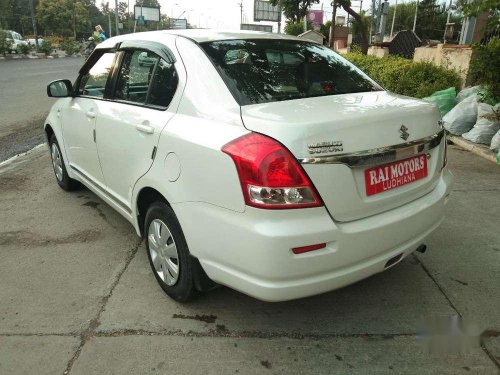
x=487, y=124
x=462, y=117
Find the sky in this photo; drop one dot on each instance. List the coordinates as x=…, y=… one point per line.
x=225, y=14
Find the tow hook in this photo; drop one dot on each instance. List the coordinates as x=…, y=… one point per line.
x=422, y=248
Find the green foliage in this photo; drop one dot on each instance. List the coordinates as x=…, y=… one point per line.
x=325, y=30
x=45, y=47
x=65, y=17
x=405, y=77
x=296, y=28
x=23, y=49
x=485, y=67
x=5, y=44
x=474, y=7
x=70, y=47
x=294, y=10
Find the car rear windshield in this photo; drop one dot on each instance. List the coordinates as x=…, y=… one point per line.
x=268, y=70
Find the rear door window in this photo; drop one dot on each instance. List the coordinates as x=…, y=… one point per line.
x=134, y=76
x=268, y=70
x=163, y=85
x=146, y=79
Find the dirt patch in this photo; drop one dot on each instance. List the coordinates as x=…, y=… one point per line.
x=25, y=238
x=12, y=183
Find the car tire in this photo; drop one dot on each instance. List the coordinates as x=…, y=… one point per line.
x=167, y=251
x=60, y=172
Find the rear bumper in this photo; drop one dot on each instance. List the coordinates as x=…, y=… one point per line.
x=251, y=251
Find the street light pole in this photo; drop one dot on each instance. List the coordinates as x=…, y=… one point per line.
x=116, y=18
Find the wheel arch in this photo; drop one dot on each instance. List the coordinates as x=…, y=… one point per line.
x=147, y=196
x=48, y=131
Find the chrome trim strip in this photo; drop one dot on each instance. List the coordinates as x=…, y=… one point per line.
x=102, y=190
x=380, y=155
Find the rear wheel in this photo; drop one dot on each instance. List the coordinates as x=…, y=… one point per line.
x=168, y=252
x=62, y=177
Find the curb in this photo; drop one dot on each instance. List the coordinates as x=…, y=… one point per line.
x=475, y=148
x=31, y=57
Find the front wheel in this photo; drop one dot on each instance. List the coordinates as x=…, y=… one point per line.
x=62, y=177
x=168, y=252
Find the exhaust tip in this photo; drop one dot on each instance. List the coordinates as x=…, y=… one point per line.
x=422, y=248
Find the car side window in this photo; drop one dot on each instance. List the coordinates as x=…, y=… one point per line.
x=163, y=84
x=134, y=76
x=94, y=82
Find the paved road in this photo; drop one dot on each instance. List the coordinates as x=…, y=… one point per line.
x=23, y=100
x=77, y=295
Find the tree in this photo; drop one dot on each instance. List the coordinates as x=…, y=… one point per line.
x=294, y=10
x=296, y=28
x=64, y=17
x=474, y=7
x=361, y=21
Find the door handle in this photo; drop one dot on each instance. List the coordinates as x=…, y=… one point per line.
x=145, y=129
x=90, y=114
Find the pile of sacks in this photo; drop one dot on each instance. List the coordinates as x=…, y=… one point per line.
x=475, y=121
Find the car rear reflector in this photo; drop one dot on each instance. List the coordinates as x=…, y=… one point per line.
x=305, y=249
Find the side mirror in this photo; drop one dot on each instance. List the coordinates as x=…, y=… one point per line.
x=61, y=88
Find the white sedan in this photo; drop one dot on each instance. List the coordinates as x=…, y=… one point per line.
x=263, y=162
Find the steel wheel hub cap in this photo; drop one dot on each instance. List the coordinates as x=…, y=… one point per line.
x=163, y=252
x=57, y=162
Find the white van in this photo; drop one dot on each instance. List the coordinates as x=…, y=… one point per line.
x=16, y=40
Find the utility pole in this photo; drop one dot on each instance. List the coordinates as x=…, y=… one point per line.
x=394, y=17
x=447, y=22
x=415, y=19
x=241, y=13
x=372, y=24
x=332, y=28
x=33, y=21
x=116, y=18
x=109, y=18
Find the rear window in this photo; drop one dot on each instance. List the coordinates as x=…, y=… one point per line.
x=268, y=70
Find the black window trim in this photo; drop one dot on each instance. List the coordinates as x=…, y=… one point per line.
x=119, y=49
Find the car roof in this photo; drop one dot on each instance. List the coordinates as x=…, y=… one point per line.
x=197, y=35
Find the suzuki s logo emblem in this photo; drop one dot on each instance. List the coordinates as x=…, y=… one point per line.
x=404, y=132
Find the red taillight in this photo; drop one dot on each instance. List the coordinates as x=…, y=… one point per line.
x=269, y=174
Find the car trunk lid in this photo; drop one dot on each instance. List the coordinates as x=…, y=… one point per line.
x=339, y=139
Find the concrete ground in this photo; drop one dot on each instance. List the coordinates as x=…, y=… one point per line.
x=77, y=295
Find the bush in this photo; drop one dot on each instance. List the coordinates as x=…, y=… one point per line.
x=5, y=44
x=46, y=47
x=70, y=47
x=485, y=67
x=405, y=77
x=23, y=49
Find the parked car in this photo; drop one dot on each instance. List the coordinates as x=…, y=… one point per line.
x=281, y=179
x=145, y=59
x=32, y=41
x=16, y=40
